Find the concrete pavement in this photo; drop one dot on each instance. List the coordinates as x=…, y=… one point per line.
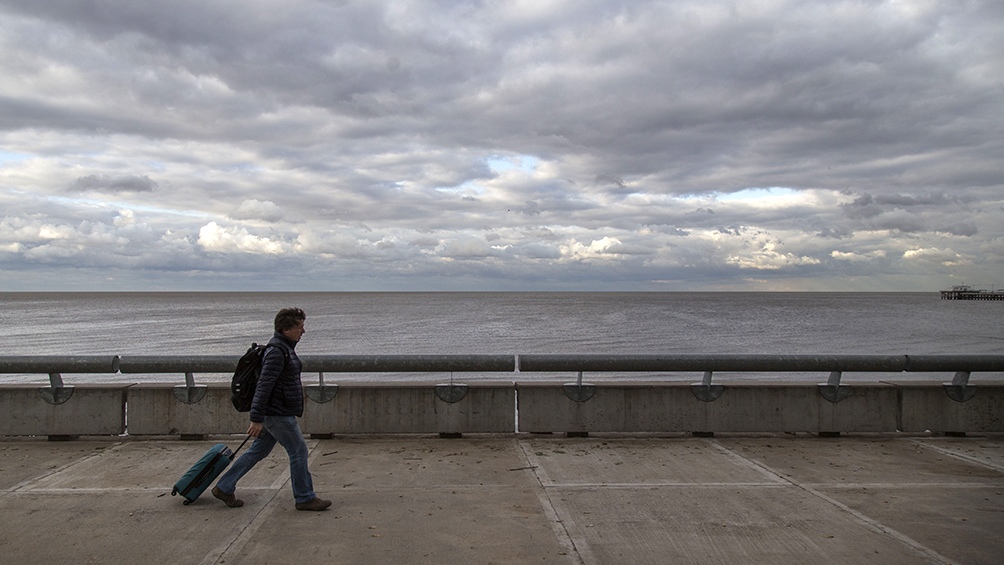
x=750, y=498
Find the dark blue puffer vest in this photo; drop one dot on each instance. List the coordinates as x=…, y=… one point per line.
x=279, y=391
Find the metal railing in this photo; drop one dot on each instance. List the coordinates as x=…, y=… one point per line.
x=519, y=397
x=762, y=363
x=125, y=364
x=835, y=365
x=959, y=389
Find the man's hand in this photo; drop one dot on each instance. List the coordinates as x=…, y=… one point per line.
x=254, y=430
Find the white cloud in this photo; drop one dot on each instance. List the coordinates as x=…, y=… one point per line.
x=125, y=218
x=253, y=209
x=944, y=257
x=213, y=237
x=769, y=259
x=55, y=232
x=752, y=248
x=605, y=248
x=858, y=257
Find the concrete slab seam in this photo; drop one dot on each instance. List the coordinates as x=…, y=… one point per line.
x=25, y=484
x=534, y=463
x=577, y=552
x=643, y=486
x=960, y=456
x=749, y=463
x=220, y=553
x=94, y=490
x=908, y=486
x=865, y=520
x=236, y=545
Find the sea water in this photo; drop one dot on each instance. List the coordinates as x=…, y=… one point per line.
x=362, y=323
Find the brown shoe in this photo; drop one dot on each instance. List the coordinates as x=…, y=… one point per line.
x=228, y=498
x=315, y=504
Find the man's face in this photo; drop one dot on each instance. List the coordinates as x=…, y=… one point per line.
x=296, y=332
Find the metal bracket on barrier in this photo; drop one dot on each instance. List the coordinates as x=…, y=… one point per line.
x=190, y=393
x=831, y=389
x=321, y=393
x=451, y=393
x=705, y=391
x=579, y=391
x=959, y=389
x=56, y=394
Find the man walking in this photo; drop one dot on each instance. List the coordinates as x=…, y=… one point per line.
x=278, y=402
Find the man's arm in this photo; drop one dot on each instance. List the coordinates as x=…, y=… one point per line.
x=254, y=430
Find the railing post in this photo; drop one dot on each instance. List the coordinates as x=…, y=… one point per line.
x=705, y=391
x=322, y=393
x=56, y=394
x=451, y=393
x=190, y=393
x=959, y=389
x=579, y=391
x=831, y=389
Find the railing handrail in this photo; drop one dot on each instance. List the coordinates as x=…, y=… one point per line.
x=762, y=363
x=98, y=364
x=60, y=364
x=326, y=363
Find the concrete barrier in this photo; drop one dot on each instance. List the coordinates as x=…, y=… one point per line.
x=156, y=409
x=775, y=407
x=93, y=409
x=367, y=408
x=926, y=406
x=673, y=407
x=159, y=409
x=374, y=408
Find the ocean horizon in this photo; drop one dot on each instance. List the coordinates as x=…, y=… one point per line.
x=487, y=322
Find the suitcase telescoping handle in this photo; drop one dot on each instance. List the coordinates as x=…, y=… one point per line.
x=234, y=454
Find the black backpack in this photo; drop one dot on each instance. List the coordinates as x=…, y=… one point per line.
x=245, y=379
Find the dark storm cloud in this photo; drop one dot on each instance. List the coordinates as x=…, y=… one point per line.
x=107, y=183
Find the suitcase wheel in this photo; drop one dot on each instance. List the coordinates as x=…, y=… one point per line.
x=187, y=502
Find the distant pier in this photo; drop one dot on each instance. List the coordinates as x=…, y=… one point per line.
x=966, y=292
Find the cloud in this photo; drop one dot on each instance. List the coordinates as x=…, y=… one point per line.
x=105, y=183
x=768, y=259
x=858, y=257
x=467, y=248
x=215, y=238
x=625, y=145
x=125, y=218
x=605, y=248
x=258, y=210
x=942, y=257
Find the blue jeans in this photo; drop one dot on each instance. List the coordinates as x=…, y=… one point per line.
x=285, y=431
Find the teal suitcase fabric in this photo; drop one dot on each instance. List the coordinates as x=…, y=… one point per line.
x=193, y=483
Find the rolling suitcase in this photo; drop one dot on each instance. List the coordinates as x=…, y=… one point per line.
x=194, y=482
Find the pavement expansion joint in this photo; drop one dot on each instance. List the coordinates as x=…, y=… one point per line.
x=28, y=483
x=875, y=525
x=577, y=551
x=957, y=455
x=234, y=546
x=222, y=552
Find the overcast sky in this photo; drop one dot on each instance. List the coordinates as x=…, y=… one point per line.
x=494, y=145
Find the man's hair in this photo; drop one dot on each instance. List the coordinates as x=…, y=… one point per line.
x=287, y=318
